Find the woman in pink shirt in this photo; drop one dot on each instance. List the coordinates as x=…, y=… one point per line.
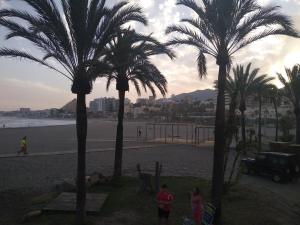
x=197, y=205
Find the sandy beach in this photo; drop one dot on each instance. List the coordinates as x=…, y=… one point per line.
x=101, y=134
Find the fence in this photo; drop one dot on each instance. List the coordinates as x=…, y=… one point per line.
x=175, y=133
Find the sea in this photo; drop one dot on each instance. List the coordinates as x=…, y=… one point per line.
x=16, y=122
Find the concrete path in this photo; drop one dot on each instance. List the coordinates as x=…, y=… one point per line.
x=45, y=171
x=3, y=156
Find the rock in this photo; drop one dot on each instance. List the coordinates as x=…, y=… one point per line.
x=67, y=185
x=94, y=179
x=31, y=215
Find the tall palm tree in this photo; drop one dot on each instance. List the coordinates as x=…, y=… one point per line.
x=220, y=29
x=275, y=95
x=262, y=89
x=292, y=92
x=249, y=83
x=73, y=33
x=127, y=58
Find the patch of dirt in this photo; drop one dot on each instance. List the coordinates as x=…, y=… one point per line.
x=120, y=218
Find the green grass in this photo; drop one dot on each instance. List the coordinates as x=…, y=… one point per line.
x=127, y=207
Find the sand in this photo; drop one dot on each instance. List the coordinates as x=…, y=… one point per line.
x=101, y=134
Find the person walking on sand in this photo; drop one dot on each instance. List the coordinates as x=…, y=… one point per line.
x=164, y=200
x=23, y=145
x=197, y=206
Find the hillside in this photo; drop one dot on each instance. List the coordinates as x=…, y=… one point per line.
x=198, y=95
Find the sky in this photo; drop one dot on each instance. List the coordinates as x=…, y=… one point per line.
x=27, y=84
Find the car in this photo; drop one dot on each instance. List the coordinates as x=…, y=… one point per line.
x=279, y=166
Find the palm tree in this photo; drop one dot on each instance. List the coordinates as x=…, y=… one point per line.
x=242, y=85
x=72, y=33
x=292, y=92
x=221, y=28
x=262, y=88
x=275, y=95
x=127, y=57
x=249, y=83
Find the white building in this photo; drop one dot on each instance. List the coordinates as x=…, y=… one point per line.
x=104, y=105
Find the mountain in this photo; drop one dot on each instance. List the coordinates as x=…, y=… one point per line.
x=70, y=106
x=199, y=95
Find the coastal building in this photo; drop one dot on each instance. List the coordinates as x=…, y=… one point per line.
x=142, y=101
x=25, y=112
x=104, y=105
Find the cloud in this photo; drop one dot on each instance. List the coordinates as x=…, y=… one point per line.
x=271, y=55
x=25, y=83
x=4, y=4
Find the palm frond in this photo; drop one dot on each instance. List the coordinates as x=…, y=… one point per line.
x=12, y=53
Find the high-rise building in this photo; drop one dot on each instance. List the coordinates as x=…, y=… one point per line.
x=104, y=105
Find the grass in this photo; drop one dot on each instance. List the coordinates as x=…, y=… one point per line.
x=126, y=207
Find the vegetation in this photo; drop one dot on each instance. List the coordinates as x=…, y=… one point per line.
x=125, y=206
x=73, y=34
x=220, y=29
x=262, y=89
x=248, y=83
x=127, y=58
x=292, y=92
x=275, y=95
x=286, y=123
x=244, y=84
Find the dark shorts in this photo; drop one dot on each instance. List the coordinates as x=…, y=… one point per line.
x=163, y=213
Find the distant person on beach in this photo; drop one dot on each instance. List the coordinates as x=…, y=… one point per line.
x=164, y=200
x=197, y=206
x=23, y=145
x=3, y=125
x=140, y=133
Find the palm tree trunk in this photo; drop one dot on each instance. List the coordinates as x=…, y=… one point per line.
x=119, y=138
x=81, y=128
x=219, y=147
x=297, y=126
x=259, y=123
x=277, y=121
x=237, y=156
x=230, y=130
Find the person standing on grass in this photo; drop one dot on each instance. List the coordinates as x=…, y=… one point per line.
x=164, y=201
x=23, y=145
x=197, y=206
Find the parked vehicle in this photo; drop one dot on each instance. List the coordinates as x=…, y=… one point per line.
x=279, y=166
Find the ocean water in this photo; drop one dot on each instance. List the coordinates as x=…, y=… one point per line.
x=14, y=122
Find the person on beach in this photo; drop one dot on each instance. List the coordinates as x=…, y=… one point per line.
x=164, y=200
x=197, y=206
x=23, y=145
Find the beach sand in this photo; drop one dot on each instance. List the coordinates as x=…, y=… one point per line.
x=101, y=134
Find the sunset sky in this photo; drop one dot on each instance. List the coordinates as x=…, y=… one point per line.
x=27, y=84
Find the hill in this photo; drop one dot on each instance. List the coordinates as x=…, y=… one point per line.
x=198, y=95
